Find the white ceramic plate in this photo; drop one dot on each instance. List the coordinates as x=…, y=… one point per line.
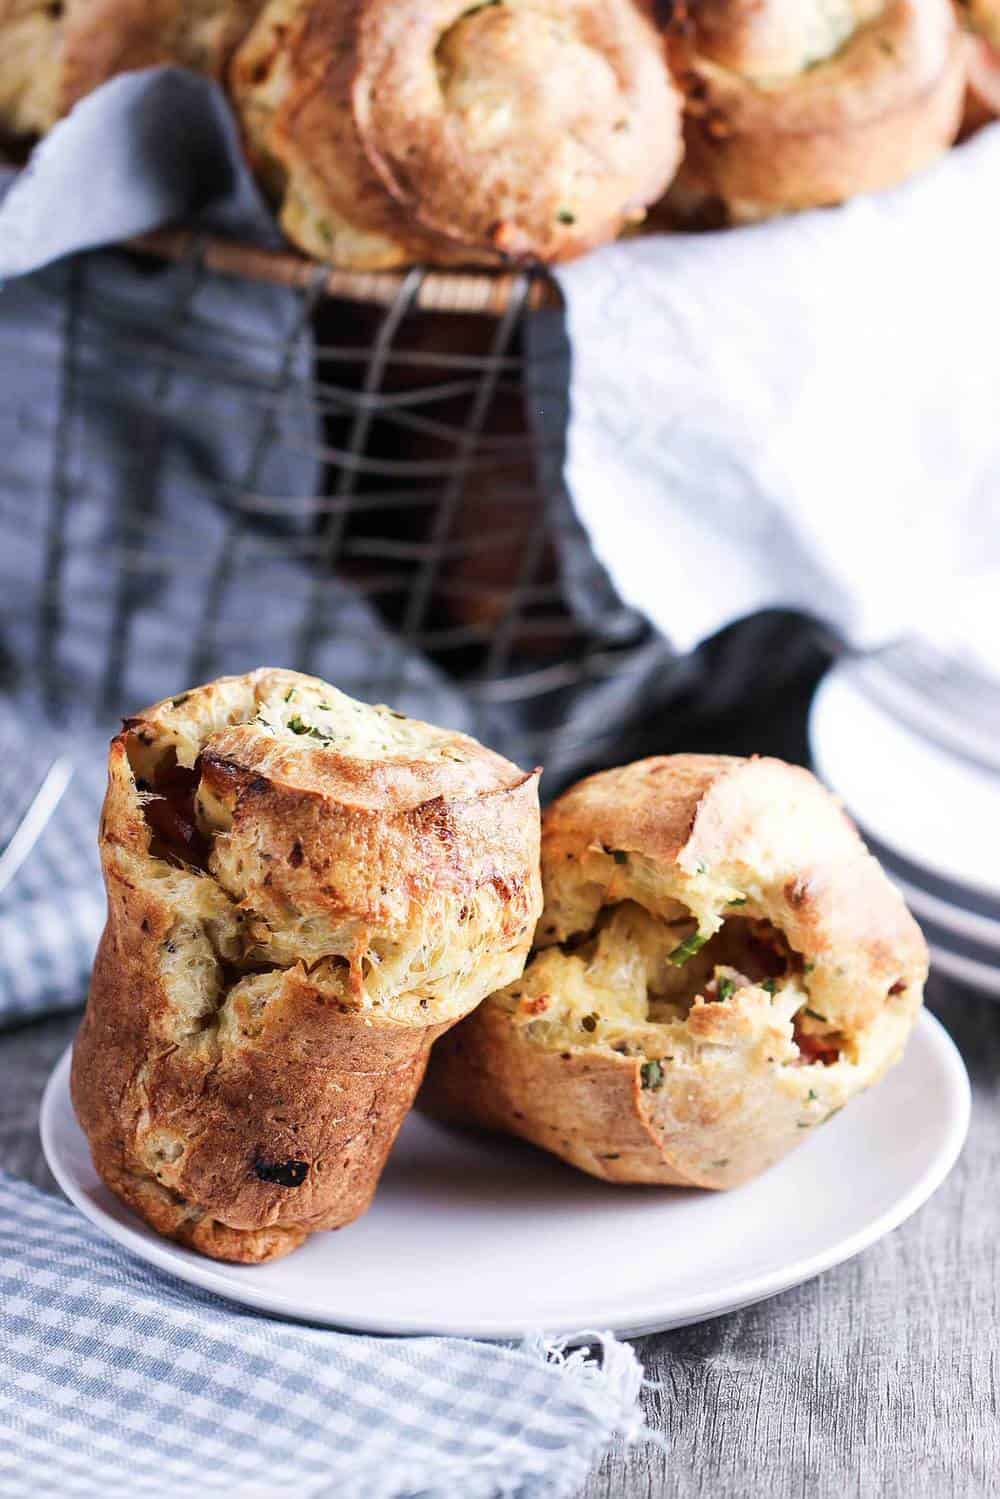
x=490, y=1238
x=881, y=770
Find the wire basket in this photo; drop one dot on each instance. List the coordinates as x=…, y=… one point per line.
x=214, y=457
x=390, y=509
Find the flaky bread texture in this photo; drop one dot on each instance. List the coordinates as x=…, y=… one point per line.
x=796, y=104
x=303, y=892
x=392, y=131
x=720, y=966
x=51, y=55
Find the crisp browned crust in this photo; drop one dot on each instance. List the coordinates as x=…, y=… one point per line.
x=102, y=38
x=764, y=136
x=712, y=1096
x=392, y=130
x=260, y=1017
x=982, y=100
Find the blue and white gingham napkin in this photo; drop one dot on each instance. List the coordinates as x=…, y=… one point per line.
x=115, y=1380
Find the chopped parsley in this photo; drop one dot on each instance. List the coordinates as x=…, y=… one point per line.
x=812, y=1095
x=177, y=702
x=289, y=694
x=652, y=1076
x=297, y=726
x=815, y=1015
x=565, y=217
x=727, y=988
x=770, y=986
x=687, y=949
x=740, y=900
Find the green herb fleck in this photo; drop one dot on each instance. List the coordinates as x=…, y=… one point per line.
x=297, y=726
x=565, y=217
x=727, y=988
x=740, y=900
x=177, y=702
x=812, y=1095
x=619, y=855
x=652, y=1076
x=808, y=967
x=687, y=949
x=701, y=869
x=289, y=694
x=815, y=1015
x=770, y=986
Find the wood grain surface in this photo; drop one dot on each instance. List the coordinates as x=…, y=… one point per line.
x=880, y=1378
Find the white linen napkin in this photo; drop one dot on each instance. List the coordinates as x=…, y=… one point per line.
x=803, y=413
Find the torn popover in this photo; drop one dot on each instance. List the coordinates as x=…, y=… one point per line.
x=720, y=966
x=303, y=892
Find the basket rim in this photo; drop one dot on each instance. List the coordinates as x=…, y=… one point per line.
x=486, y=292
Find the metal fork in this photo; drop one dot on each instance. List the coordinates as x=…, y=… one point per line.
x=28, y=796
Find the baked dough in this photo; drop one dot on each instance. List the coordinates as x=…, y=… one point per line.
x=720, y=966
x=303, y=892
x=391, y=131
x=982, y=102
x=53, y=53
x=796, y=104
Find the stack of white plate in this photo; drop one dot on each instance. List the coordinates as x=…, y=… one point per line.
x=926, y=796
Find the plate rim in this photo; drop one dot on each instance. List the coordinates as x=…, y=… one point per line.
x=843, y=674
x=182, y=1264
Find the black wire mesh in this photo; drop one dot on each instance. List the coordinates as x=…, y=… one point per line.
x=388, y=508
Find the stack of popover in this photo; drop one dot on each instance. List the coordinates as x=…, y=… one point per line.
x=477, y=131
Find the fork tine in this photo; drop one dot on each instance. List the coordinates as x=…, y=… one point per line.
x=35, y=819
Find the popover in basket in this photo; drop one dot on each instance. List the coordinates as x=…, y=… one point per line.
x=303, y=892
x=804, y=103
x=393, y=131
x=720, y=966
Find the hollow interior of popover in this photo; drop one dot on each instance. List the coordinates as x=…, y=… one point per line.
x=630, y=983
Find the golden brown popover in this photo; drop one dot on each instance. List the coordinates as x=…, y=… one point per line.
x=303, y=892
x=720, y=966
x=796, y=104
x=52, y=54
x=392, y=131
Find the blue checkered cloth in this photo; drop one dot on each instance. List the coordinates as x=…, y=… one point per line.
x=115, y=1380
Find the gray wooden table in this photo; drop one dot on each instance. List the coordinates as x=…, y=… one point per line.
x=879, y=1378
